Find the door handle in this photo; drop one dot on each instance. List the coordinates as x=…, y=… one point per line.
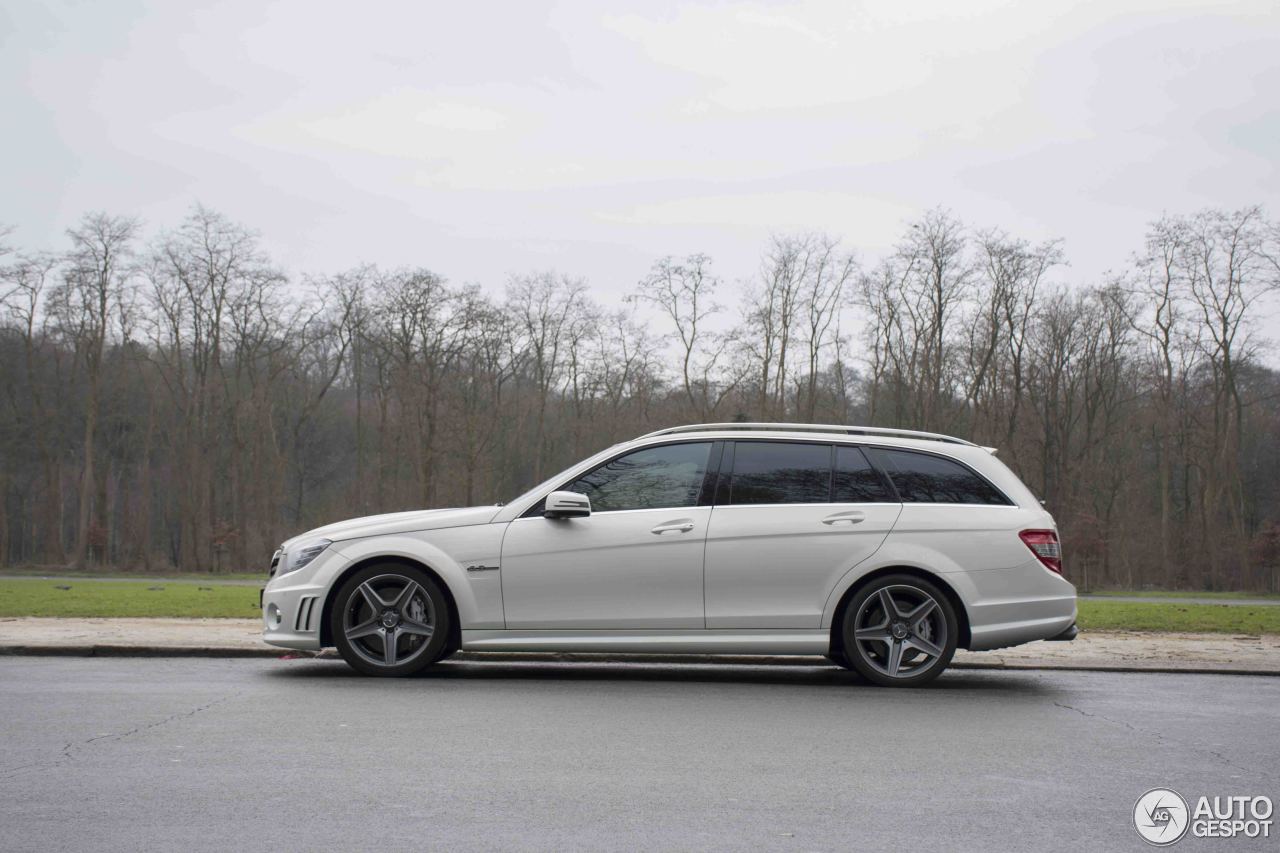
x=673, y=527
x=854, y=517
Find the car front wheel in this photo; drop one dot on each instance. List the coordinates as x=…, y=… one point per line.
x=900, y=631
x=390, y=621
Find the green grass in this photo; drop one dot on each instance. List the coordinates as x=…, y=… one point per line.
x=174, y=574
x=126, y=598
x=1163, y=593
x=1190, y=618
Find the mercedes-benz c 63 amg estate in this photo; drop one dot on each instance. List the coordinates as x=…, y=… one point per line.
x=884, y=550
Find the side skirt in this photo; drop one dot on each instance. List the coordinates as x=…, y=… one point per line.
x=717, y=642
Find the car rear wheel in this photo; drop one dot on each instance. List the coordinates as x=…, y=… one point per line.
x=900, y=631
x=390, y=621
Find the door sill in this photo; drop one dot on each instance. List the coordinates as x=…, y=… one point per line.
x=709, y=642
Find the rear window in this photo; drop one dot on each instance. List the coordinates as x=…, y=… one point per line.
x=768, y=472
x=924, y=478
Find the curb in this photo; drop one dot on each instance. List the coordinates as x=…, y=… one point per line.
x=1156, y=670
x=120, y=651
x=123, y=651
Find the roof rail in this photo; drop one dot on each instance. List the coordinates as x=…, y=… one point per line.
x=827, y=428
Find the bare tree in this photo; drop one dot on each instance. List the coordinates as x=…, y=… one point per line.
x=792, y=319
x=253, y=407
x=1160, y=319
x=24, y=286
x=684, y=293
x=1229, y=265
x=1009, y=275
x=95, y=276
x=544, y=307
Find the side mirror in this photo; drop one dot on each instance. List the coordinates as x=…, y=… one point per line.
x=567, y=505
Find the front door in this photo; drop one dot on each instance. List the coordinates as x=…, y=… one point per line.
x=634, y=563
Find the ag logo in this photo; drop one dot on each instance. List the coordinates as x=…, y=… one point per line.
x=1161, y=816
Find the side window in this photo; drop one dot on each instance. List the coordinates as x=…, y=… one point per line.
x=766, y=472
x=855, y=481
x=656, y=477
x=923, y=478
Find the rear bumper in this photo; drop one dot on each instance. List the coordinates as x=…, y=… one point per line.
x=1008, y=607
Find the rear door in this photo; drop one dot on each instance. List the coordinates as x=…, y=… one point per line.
x=790, y=519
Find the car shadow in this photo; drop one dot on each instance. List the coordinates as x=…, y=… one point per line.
x=498, y=668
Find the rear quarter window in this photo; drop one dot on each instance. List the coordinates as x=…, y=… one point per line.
x=856, y=481
x=925, y=478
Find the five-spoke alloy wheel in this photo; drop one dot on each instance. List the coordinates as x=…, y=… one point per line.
x=390, y=620
x=900, y=631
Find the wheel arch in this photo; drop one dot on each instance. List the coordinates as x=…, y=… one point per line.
x=962, y=613
x=455, y=625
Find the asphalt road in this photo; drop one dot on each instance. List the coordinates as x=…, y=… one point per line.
x=150, y=754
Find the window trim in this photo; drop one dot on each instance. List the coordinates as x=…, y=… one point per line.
x=723, y=488
x=724, y=476
x=710, y=482
x=717, y=481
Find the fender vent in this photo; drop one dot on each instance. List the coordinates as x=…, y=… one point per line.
x=306, y=609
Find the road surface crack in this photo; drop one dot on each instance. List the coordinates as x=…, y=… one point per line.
x=1160, y=739
x=157, y=724
x=70, y=749
x=1121, y=723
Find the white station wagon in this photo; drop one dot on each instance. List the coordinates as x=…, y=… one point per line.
x=884, y=550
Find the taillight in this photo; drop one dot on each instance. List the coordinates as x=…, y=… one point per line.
x=1044, y=544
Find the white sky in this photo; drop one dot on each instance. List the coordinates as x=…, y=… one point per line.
x=482, y=139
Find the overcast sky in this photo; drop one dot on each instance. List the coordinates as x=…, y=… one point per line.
x=483, y=139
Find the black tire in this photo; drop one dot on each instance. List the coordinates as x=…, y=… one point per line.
x=410, y=602
x=906, y=648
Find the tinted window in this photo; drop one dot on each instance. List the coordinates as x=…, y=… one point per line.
x=780, y=473
x=922, y=478
x=855, y=481
x=655, y=477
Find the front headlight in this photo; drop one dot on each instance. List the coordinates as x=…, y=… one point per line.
x=303, y=555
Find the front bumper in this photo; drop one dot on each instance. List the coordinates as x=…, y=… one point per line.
x=291, y=616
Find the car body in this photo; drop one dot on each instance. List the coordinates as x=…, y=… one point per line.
x=702, y=539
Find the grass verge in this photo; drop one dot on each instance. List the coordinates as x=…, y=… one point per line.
x=1164, y=593
x=105, y=574
x=1188, y=618
x=126, y=598
x=213, y=600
